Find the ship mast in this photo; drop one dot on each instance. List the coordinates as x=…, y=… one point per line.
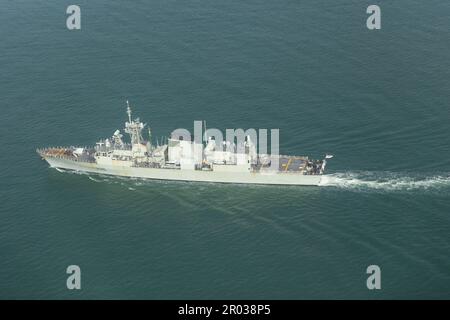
x=133, y=127
x=129, y=112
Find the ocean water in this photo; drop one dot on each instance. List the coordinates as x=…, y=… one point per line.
x=378, y=100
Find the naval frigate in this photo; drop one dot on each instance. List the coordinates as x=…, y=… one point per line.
x=184, y=160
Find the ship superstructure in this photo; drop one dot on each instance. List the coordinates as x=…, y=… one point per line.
x=186, y=160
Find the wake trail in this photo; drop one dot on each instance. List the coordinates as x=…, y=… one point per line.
x=386, y=181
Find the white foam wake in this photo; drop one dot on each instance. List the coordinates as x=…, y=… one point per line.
x=387, y=181
x=95, y=180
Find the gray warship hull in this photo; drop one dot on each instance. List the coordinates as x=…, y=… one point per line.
x=235, y=160
x=267, y=178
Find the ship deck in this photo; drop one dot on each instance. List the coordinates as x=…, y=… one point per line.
x=292, y=163
x=65, y=153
